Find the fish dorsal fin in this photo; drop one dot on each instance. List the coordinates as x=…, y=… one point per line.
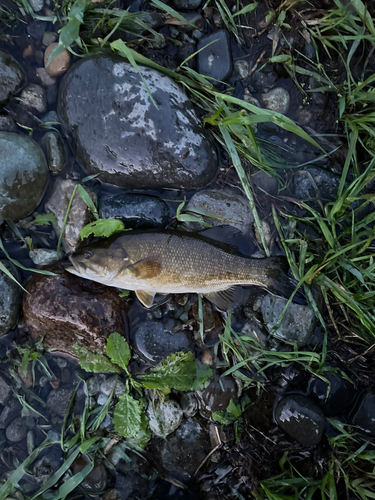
x=226, y=299
x=146, y=268
x=146, y=298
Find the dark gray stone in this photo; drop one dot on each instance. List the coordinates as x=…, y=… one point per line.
x=36, y=29
x=187, y=4
x=23, y=173
x=215, y=61
x=58, y=400
x=265, y=80
x=313, y=182
x=137, y=211
x=54, y=148
x=301, y=419
x=364, y=416
x=216, y=396
x=333, y=397
x=9, y=413
x=117, y=132
x=17, y=430
x=34, y=98
x=181, y=453
x=4, y=391
x=7, y=123
x=10, y=300
x=12, y=77
x=154, y=342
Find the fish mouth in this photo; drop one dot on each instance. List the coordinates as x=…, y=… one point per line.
x=72, y=270
x=77, y=268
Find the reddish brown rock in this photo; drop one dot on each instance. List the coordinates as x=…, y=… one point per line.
x=66, y=309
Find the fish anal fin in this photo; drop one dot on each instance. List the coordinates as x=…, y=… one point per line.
x=226, y=299
x=146, y=268
x=146, y=298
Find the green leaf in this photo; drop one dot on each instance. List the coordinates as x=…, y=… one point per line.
x=233, y=409
x=118, y=350
x=102, y=227
x=222, y=417
x=177, y=371
x=127, y=417
x=144, y=434
x=43, y=219
x=203, y=373
x=95, y=363
x=87, y=199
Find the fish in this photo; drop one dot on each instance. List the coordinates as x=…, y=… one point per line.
x=172, y=262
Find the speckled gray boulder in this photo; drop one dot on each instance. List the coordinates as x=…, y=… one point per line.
x=10, y=299
x=296, y=326
x=23, y=175
x=12, y=77
x=229, y=205
x=117, y=132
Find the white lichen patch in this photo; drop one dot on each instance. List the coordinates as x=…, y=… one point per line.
x=119, y=69
x=137, y=119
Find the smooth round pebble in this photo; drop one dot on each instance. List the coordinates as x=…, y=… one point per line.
x=12, y=77
x=17, y=430
x=59, y=64
x=299, y=417
x=278, y=100
x=34, y=97
x=23, y=175
x=54, y=148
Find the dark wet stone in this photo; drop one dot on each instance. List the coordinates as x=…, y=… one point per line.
x=4, y=391
x=46, y=466
x=23, y=173
x=264, y=182
x=36, y=29
x=7, y=123
x=314, y=182
x=299, y=417
x=186, y=4
x=297, y=324
x=58, y=400
x=66, y=309
x=264, y=80
x=364, y=415
x=95, y=482
x=137, y=211
x=117, y=131
x=9, y=413
x=340, y=396
x=10, y=298
x=215, y=61
x=182, y=452
x=12, y=77
x=154, y=342
x=16, y=430
x=54, y=148
x=216, y=396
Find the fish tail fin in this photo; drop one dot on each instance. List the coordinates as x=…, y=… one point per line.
x=279, y=282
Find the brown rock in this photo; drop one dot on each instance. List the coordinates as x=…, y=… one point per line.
x=66, y=309
x=59, y=64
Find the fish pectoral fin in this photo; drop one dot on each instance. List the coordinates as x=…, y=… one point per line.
x=146, y=268
x=226, y=299
x=146, y=298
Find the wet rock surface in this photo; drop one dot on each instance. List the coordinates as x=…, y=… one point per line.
x=364, y=415
x=17, y=430
x=333, y=396
x=136, y=211
x=313, y=183
x=215, y=61
x=164, y=417
x=301, y=419
x=154, y=342
x=108, y=136
x=10, y=298
x=12, y=77
x=216, y=396
x=23, y=175
x=66, y=309
x=54, y=148
x=297, y=324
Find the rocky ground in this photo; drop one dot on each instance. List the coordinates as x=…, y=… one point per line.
x=80, y=138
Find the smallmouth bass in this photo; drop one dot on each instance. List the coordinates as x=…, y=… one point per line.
x=174, y=262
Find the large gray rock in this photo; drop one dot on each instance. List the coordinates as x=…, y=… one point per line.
x=10, y=299
x=117, y=131
x=23, y=175
x=12, y=77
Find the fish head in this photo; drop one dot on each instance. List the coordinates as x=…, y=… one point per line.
x=101, y=262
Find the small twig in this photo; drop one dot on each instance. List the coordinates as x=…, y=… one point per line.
x=257, y=63
x=177, y=483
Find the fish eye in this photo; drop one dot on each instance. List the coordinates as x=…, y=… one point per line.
x=87, y=255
